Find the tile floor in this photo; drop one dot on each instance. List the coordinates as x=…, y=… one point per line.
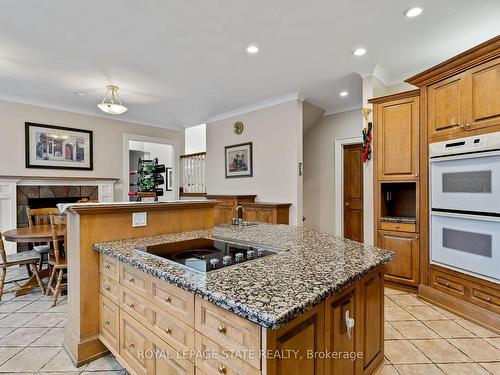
x=420, y=339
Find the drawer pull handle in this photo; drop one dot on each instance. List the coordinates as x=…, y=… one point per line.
x=131, y=279
x=397, y=226
x=168, y=331
x=106, y=266
x=222, y=329
x=447, y=284
x=168, y=299
x=222, y=369
x=107, y=288
x=131, y=345
x=488, y=299
x=131, y=305
x=106, y=323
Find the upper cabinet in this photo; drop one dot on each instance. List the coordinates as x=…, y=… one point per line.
x=484, y=90
x=397, y=138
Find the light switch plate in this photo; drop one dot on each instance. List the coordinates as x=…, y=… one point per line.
x=139, y=219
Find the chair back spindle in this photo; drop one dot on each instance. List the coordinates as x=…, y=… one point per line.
x=54, y=220
x=3, y=254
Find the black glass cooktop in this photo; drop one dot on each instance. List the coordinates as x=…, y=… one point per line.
x=205, y=255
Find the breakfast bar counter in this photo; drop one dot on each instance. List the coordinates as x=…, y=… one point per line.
x=269, y=291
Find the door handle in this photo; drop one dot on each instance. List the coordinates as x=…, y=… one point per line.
x=347, y=204
x=349, y=323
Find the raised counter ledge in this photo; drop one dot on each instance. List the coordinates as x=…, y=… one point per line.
x=270, y=291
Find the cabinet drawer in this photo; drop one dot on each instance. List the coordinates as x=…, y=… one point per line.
x=448, y=283
x=218, y=362
x=170, y=362
x=174, y=300
x=135, y=347
x=403, y=227
x=109, y=267
x=489, y=300
x=134, y=305
x=134, y=279
x=227, y=329
x=171, y=330
x=110, y=288
x=110, y=322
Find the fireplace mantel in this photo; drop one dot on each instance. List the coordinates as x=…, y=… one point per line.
x=8, y=194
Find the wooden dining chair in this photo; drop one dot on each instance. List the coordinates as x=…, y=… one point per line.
x=57, y=262
x=41, y=216
x=27, y=258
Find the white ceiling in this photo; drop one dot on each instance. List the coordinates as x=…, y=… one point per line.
x=181, y=62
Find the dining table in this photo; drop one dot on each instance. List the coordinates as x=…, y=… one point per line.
x=37, y=233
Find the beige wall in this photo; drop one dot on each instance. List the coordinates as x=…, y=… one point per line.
x=276, y=133
x=108, y=140
x=319, y=166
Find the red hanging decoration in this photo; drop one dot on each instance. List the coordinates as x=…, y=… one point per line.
x=367, y=140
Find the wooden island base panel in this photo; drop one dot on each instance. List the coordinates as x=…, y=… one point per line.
x=154, y=327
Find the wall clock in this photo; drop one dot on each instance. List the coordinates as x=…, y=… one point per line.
x=238, y=127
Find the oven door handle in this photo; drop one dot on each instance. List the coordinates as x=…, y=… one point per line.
x=457, y=215
x=483, y=154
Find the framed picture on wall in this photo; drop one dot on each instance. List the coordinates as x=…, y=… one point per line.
x=170, y=181
x=239, y=160
x=57, y=147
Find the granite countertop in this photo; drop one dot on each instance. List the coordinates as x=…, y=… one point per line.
x=269, y=291
x=399, y=219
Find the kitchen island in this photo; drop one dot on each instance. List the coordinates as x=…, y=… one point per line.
x=319, y=296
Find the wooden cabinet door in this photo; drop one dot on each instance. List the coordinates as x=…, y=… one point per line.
x=447, y=107
x=224, y=214
x=266, y=215
x=405, y=265
x=251, y=214
x=135, y=346
x=303, y=335
x=371, y=321
x=338, y=338
x=484, y=89
x=397, y=139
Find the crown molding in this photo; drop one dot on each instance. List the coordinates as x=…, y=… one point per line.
x=382, y=75
x=257, y=106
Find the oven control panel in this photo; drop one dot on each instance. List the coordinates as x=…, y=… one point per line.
x=479, y=143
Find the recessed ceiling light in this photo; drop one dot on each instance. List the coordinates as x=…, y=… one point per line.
x=79, y=93
x=344, y=93
x=252, y=49
x=413, y=12
x=359, y=52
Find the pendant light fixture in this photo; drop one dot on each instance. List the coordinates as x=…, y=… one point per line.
x=111, y=102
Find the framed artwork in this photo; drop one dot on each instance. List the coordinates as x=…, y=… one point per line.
x=239, y=160
x=57, y=147
x=170, y=181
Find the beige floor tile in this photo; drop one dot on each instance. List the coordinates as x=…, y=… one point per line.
x=476, y=329
x=425, y=313
x=5, y=331
x=414, y=330
x=36, y=306
x=386, y=370
x=391, y=333
x=29, y=360
x=12, y=306
x=61, y=362
x=440, y=351
x=446, y=313
x=104, y=373
x=495, y=341
x=47, y=320
x=53, y=337
x=391, y=291
x=3, y=315
x=17, y=319
x=403, y=352
x=419, y=369
x=62, y=324
x=407, y=300
x=395, y=313
x=448, y=329
x=493, y=368
x=478, y=349
x=388, y=301
x=107, y=363
x=462, y=369
x=22, y=336
x=7, y=353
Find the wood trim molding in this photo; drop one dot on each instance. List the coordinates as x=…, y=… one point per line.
x=78, y=178
x=474, y=56
x=265, y=204
x=231, y=196
x=399, y=95
x=92, y=209
x=464, y=309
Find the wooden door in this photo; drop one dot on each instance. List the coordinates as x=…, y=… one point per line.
x=371, y=321
x=338, y=339
x=447, y=107
x=483, y=86
x=353, y=192
x=397, y=137
x=404, y=267
x=304, y=334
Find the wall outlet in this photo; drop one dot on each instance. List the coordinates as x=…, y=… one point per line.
x=139, y=219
